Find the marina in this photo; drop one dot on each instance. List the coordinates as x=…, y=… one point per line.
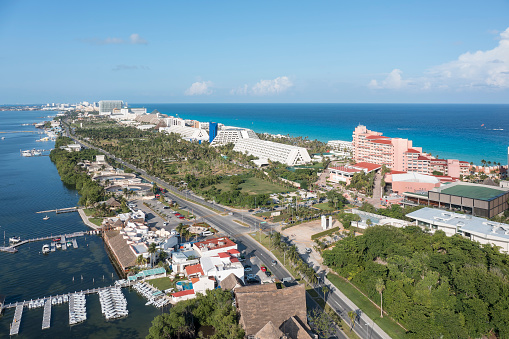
x=61, y=210
x=12, y=248
x=113, y=305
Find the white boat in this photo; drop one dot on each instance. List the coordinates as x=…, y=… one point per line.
x=26, y=153
x=36, y=152
x=59, y=245
x=45, y=248
x=45, y=218
x=14, y=240
x=3, y=138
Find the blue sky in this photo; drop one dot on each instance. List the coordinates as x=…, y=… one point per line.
x=254, y=51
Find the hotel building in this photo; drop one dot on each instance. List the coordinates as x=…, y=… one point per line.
x=273, y=151
x=400, y=155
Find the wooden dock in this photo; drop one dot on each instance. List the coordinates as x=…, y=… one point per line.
x=74, y=243
x=61, y=210
x=17, y=320
x=46, y=317
x=13, y=249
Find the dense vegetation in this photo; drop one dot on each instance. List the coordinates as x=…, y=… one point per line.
x=73, y=175
x=436, y=286
x=186, y=317
x=395, y=211
x=313, y=146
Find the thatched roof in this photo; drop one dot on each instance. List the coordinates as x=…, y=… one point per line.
x=269, y=331
x=113, y=202
x=294, y=329
x=259, y=304
x=121, y=249
x=489, y=182
x=231, y=282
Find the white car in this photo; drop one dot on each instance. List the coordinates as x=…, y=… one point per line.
x=248, y=269
x=206, y=233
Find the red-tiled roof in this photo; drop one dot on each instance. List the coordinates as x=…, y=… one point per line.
x=223, y=255
x=195, y=280
x=420, y=157
x=233, y=251
x=213, y=244
x=385, y=141
x=411, y=150
x=193, y=269
x=377, y=137
x=397, y=172
x=233, y=259
x=367, y=165
x=182, y=293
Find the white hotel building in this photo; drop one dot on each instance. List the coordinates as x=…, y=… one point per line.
x=273, y=151
x=477, y=229
x=232, y=135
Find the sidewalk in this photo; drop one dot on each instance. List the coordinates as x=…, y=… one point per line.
x=85, y=219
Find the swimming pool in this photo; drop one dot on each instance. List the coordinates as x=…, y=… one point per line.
x=184, y=285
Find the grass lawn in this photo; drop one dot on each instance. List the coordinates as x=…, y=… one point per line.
x=96, y=221
x=162, y=283
x=388, y=325
x=88, y=211
x=254, y=186
x=324, y=206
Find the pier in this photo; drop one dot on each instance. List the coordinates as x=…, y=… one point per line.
x=46, y=317
x=12, y=248
x=17, y=320
x=76, y=300
x=61, y=210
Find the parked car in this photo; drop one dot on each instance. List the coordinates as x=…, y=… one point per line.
x=206, y=233
x=308, y=250
x=251, y=276
x=263, y=268
x=268, y=273
x=165, y=223
x=248, y=268
x=181, y=217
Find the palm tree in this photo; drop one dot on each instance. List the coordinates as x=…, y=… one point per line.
x=352, y=315
x=380, y=287
x=152, y=248
x=140, y=260
x=325, y=290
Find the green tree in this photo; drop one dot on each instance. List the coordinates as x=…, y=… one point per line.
x=152, y=249
x=380, y=287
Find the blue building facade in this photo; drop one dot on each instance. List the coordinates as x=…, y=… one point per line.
x=212, y=130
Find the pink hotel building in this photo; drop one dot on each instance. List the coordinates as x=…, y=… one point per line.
x=400, y=155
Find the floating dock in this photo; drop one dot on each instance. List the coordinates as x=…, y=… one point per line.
x=17, y=320
x=74, y=243
x=13, y=249
x=46, y=317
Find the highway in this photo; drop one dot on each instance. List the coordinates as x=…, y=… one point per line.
x=364, y=326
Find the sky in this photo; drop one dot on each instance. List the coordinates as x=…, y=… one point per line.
x=254, y=51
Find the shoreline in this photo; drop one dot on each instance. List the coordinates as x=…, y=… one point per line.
x=85, y=220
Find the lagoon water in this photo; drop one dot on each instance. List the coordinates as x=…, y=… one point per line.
x=30, y=184
x=453, y=131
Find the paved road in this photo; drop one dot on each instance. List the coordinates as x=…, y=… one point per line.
x=251, y=247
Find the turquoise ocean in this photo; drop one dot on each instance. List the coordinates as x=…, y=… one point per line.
x=465, y=132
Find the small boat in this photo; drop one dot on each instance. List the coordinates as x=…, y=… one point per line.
x=26, y=153
x=14, y=240
x=3, y=138
x=59, y=245
x=69, y=244
x=56, y=239
x=45, y=249
x=45, y=218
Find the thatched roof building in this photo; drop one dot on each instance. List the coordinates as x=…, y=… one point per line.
x=285, y=308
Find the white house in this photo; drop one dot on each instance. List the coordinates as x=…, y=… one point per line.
x=273, y=151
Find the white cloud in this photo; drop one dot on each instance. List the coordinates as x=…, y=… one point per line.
x=488, y=69
x=392, y=81
x=271, y=87
x=242, y=90
x=136, y=39
x=200, y=88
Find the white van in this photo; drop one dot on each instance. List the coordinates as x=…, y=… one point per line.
x=206, y=233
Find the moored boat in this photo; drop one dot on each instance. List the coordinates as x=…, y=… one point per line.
x=45, y=248
x=14, y=240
